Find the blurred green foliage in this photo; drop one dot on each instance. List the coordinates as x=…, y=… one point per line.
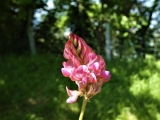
x=134, y=26
x=33, y=88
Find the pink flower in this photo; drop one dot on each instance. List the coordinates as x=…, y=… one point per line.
x=84, y=67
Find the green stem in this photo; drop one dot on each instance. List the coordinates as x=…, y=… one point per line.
x=83, y=108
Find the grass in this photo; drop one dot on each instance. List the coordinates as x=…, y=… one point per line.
x=33, y=88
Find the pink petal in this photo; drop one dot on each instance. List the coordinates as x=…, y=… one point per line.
x=84, y=81
x=73, y=95
x=87, y=50
x=105, y=75
x=68, y=64
x=73, y=76
x=83, y=51
x=92, y=57
x=101, y=62
x=91, y=90
x=79, y=73
x=66, y=72
x=72, y=92
x=95, y=67
x=68, y=68
x=75, y=60
x=67, y=50
x=81, y=70
x=92, y=78
x=72, y=99
x=80, y=85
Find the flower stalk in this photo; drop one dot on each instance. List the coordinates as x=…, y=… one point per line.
x=85, y=100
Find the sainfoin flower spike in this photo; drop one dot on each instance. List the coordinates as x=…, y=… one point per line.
x=84, y=67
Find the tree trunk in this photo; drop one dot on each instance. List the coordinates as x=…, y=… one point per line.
x=108, y=45
x=144, y=28
x=30, y=33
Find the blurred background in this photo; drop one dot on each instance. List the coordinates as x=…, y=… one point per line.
x=32, y=38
